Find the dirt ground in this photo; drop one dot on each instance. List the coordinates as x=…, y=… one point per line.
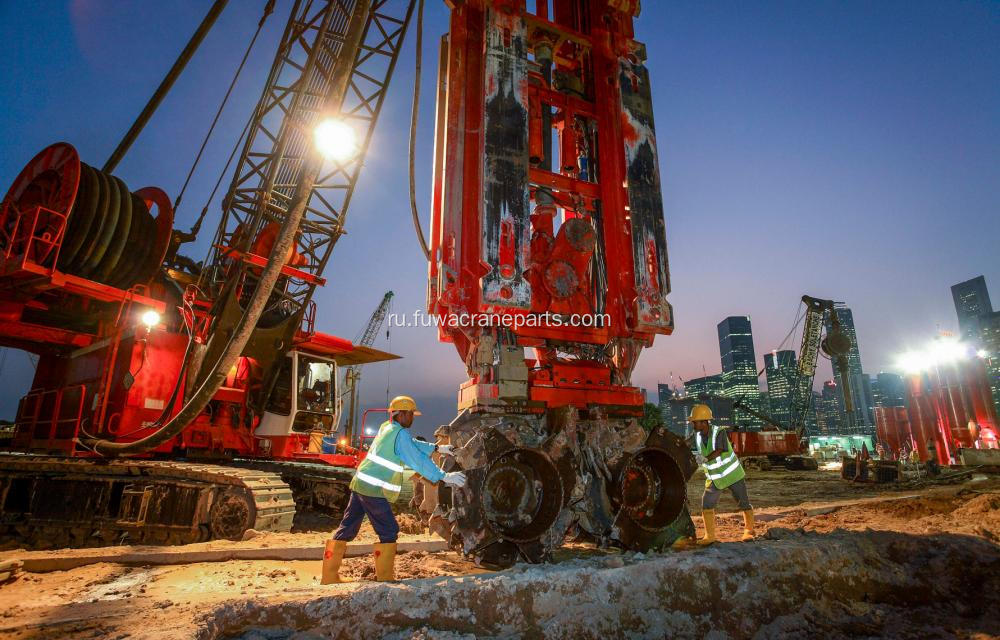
x=113, y=601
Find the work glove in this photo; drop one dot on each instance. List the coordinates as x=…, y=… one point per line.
x=454, y=478
x=700, y=459
x=446, y=449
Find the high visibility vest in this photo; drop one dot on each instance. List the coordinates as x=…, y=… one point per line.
x=381, y=472
x=724, y=470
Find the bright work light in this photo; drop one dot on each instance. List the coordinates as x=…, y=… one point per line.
x=336, y=140
x=150, y=318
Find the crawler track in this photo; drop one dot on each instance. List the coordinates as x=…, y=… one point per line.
x=48, y=502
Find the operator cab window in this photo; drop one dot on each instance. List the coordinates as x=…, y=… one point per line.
x=316, y=394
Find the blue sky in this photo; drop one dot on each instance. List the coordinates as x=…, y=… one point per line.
x=842, y=149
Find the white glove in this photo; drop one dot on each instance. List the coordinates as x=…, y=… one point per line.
x=454, y=479
x=446, y=449
x=700, y=459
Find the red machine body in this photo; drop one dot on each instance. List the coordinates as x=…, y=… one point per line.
x=547, y=227
x=102, y=372
x=948, y=408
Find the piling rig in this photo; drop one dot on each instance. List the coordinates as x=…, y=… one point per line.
x=175, y=402
x=546, y=212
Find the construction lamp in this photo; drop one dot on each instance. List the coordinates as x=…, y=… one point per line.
x=915, y=362
x=150, y=318
x=335, y=139
x=369, y=431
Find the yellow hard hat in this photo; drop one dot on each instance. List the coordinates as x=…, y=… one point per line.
x=700, y=412
x=404, y=403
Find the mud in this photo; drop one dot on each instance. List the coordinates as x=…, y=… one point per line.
x=862, y=562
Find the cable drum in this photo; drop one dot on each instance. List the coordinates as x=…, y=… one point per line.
x=110, y=234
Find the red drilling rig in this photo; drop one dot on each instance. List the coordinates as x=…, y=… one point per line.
x=175, y=402
x=548, y=272
x=548, y=268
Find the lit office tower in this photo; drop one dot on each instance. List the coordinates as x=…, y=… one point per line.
x=739, y=369
x=828, y=413
x=989, y=350
x=972, y=301
x=672, y=412
x=889, y=390
x=859, y=383
x=708, y=389
x=782, y=375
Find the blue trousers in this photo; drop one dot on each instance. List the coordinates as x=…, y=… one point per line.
x=378, y=511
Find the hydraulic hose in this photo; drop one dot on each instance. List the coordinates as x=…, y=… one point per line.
x=265, y=285
x=414, y=112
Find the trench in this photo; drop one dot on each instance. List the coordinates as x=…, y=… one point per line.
x=790, y=584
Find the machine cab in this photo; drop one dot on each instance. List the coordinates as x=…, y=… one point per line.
x=304, y=398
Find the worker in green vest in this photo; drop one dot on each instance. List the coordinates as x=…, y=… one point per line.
x=376, y=485
x=722, y=471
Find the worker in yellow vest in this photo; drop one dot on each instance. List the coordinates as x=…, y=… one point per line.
x=376, y=485
x=722, y=471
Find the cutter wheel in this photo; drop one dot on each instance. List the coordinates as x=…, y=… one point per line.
x=533, y=481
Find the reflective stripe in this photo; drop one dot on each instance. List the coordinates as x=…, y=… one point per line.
x=720, y=461
x=377, y=459
x=364, y=477
x=724, y=473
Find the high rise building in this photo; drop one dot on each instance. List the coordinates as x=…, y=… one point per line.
x=672, y=411
x=888, y=390
x=782, y=376
x=828, y=410
x=989, y=349
x=739, y=369
x=708, y=389
x=972, y=300
x=859, y=385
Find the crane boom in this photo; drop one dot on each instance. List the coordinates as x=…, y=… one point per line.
x=302, y=90
x=352, y=376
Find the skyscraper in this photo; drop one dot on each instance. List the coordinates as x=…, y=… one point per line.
x=672, y=412
x=739, y=369
x=828, y=410
x=782, y=376
x=859, y=385
x=888, y=390
x=708, y=389
x=972, y=300
x=989, y=349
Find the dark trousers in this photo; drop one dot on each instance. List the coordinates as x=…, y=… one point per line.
x=378, y=511
x=739, y=490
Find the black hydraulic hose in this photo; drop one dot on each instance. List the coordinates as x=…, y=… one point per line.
x=415, y=110
x=161, y=91
x=282, y=246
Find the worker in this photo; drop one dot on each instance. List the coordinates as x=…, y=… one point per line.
x=722, y=471
x=376, y=485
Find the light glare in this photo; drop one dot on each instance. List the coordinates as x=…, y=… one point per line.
x=150, y=318
x=982, y=353
x=336, y=140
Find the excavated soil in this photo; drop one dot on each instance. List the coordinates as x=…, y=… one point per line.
x=855, y=561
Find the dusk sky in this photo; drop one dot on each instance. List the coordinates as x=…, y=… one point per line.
x=848, y=150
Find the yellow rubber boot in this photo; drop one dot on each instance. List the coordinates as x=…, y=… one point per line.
x=385, y=561
x=709, y=516
x=748, y=522
x=332, y=557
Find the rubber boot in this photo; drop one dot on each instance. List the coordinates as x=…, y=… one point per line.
x=683, y=544
x=385, y=561
x=748, y=523
x=709, y=516
x=332, y=557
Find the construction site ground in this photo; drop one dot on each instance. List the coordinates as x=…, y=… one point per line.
x=834, y=558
